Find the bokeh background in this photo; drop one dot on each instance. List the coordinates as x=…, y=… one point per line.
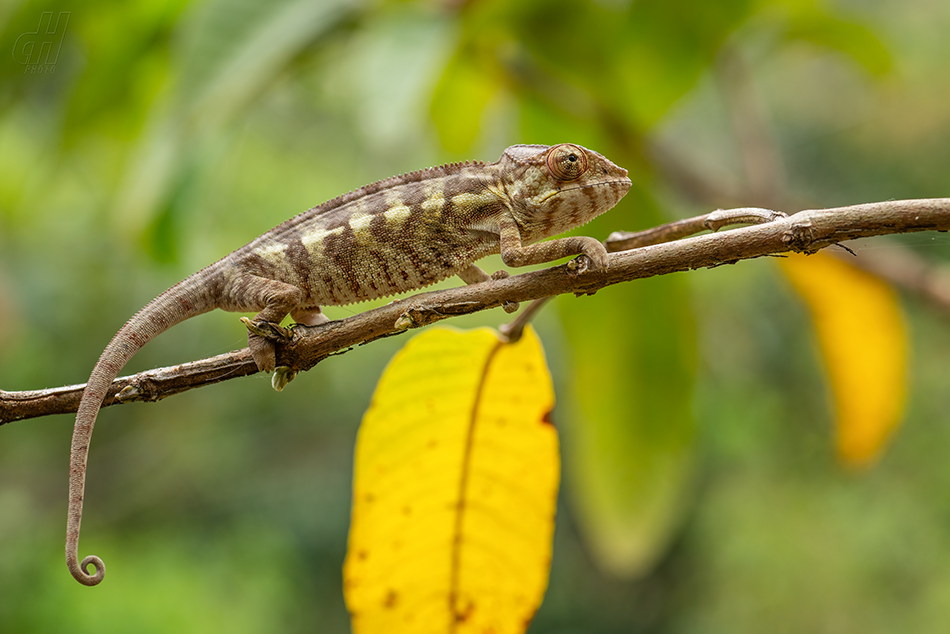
x=165, y=134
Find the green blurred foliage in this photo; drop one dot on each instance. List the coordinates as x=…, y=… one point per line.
x=169, y=133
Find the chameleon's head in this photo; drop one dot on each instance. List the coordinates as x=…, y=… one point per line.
x=552, y=189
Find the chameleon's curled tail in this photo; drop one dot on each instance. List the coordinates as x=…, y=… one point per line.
x=182, y=301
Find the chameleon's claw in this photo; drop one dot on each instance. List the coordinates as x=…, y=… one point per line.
x=267, y=330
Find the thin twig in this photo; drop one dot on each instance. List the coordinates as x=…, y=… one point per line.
x=513, y=330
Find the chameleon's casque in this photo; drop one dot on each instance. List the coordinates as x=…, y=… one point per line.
x=392, y=236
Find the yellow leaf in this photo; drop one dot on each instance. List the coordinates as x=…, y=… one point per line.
x=863, y=342
x=455, y=488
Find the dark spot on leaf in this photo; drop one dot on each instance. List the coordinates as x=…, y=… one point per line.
x=466, y=614
x=407, y=510
x=362, y=555
x=546, y=419
x=392, y=597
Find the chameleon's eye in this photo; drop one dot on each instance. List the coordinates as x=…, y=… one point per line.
x=567, y=162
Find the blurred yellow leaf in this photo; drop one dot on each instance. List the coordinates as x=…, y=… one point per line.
x=455, y=488
x=863, y=343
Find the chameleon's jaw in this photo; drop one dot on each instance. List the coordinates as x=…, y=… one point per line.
x=570, y=205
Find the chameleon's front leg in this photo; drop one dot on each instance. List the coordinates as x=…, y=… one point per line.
x=513, y=253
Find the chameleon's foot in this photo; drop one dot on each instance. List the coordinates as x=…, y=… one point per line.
x=261, y=336
x=508, y=307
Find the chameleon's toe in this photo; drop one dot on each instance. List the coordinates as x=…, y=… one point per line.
x=267, y=329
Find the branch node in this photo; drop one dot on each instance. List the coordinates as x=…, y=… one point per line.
x=800, y=237
x=128, y=393
x=282, y=376
x=404, y=321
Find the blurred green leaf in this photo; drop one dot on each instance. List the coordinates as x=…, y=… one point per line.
x=640, y=57
x=837, y=33
x=388, y=71
x=460, y=99
x=230, y=51
x=631, y=446
x=239, y=582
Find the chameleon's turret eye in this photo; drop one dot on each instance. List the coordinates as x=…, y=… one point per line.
x=567, y=162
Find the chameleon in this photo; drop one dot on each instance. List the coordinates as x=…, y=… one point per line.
x=388, y=237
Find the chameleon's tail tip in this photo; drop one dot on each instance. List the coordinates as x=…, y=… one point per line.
x=82, y=575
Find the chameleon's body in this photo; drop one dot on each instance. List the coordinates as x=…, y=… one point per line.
x=392, y=236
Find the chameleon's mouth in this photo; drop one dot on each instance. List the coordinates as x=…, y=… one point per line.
x=624, y=182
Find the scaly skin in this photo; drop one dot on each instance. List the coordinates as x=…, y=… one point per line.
x=392, y=236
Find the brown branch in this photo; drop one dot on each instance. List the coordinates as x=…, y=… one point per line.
x=806, y=231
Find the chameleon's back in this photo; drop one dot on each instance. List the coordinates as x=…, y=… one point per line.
x=400, y=237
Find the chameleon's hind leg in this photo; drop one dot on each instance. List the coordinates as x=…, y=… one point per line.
x=278, y=300
x=474, y=275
